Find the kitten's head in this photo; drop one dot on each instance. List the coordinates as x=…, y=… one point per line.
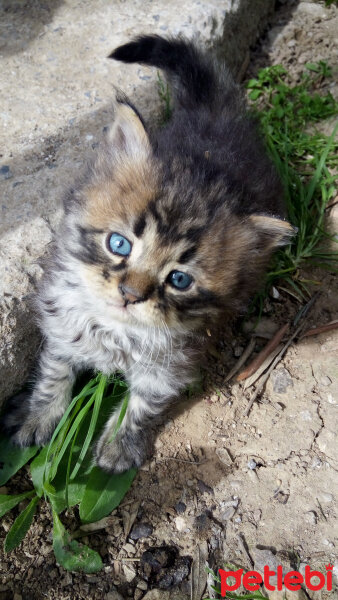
x=160, y=242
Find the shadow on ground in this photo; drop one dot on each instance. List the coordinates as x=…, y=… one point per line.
x=21, y=21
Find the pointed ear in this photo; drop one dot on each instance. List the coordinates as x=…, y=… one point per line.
x=275, y=231
x=127, y=136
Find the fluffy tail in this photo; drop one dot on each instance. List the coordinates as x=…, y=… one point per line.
x=193, y=74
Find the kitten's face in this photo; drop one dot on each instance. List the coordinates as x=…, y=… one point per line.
x=158, y=248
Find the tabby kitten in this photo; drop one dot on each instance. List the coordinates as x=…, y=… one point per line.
x=168, y=234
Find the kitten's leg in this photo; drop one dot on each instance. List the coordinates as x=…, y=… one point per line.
x=133, y=441
x=32, y=418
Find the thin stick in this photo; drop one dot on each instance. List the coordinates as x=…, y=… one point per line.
x=242, y=359
x=266, y=376
x=261, y=357
x=242, y=543
x=320, y=329
x=190, y=462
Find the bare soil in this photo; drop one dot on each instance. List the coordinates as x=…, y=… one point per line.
x=223, y=487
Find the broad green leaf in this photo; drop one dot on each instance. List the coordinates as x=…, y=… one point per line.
x=12, y=458
x=7, y=502
x=103, y=493
x=37, y=468
x=70, y=554
x=312, y=67
x=56, y=498
x=21, y=525
x=254, y=94
x=252, y=83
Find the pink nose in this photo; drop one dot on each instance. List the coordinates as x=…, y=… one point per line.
x=130, y=295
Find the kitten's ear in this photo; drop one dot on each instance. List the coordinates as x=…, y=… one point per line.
x=127, y=135
x=275, y=231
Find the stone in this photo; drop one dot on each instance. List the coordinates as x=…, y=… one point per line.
x=285, y=594
x=129, y=572
x=5, y=172
x=312, y=8
x=180, y=507
x=156, y=595
x=113, y=595
x=265, y=557
x=141, y=530
x=142, y=585
x=162, y=567
x=204, y=488
x=54, y=107
x=281, y=380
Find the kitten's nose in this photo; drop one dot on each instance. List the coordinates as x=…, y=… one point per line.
x=130, y=294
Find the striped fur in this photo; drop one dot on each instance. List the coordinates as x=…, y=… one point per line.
x=199, y=197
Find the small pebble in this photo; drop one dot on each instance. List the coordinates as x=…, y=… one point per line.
x=274, y=292
x=180, y=524
x=142, y=585
x=141, y=530
x=325, y=497
x=238, y=351
x=252, y=464
x=180, y=507
x=204, y=488
x=228, y=513
x=5, y=172
x=311, y=517
x=53, y=574
x=114, y=595
x=129, y=548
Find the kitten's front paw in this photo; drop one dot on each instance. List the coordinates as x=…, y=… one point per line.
x=126, y=451
x=23, y=427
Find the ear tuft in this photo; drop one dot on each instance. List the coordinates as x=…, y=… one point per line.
x=127, y=135
x=276, y=231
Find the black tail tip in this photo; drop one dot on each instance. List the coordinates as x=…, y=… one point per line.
x=129, y=52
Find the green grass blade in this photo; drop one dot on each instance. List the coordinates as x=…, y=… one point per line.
x=7, y=502
x=97, y=404
x=87, y=390
x=81, y=415
x=123, y=411
x=20, y=526
x=316, y=178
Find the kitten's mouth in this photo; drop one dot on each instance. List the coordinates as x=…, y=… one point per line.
x=118, y=306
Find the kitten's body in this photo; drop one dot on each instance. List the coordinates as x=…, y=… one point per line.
x=199, y=203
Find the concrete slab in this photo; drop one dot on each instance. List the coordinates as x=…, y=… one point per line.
x=56, y=92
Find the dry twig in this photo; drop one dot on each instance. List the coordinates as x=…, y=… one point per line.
x=266, y=376
x=263, y=355
x=320, y=329
x=242, y=359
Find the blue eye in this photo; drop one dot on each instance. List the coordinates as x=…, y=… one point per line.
x=119, y=245
x=179, y=280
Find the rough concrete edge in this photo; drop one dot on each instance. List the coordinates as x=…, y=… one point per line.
x=241, y=28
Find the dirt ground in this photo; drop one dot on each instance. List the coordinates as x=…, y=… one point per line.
x=223, y=487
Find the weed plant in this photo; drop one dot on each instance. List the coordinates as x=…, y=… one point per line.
x=306, y=160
